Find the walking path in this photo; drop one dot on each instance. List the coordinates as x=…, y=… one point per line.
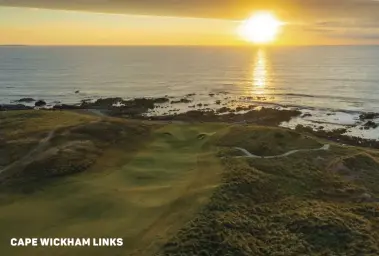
x=249, y=155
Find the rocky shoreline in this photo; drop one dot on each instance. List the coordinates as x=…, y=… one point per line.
x=183, y=109
x=338, y=136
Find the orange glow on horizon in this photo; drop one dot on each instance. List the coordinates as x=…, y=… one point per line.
x=28, y=26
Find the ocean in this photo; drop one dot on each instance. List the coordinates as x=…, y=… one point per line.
x=325, y=78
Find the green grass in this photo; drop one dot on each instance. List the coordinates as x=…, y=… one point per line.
x=20, y=124
x=21, y=131
x=287, y=206
x=266, y=141
x=142, y=185
x=178, y=189
x=361, y=167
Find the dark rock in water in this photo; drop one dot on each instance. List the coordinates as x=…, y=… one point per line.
x=110, y=102
x=199, y=105
x=181, y=101
x=161, y=100
x=307, y=129
x=265, y=116
x=306, y=115
x=218, y=102
x=133, y=108
x=191, y=94
x=370, y=115
x=339, y=136
x=212, y=94
x=86, y=101
x=330, y=114
x=5, y=107
x=147, y=103
x=40, y=103
x=244, y=108
x=131, y=111
x=339, y=131
x=223, y=110
x=370, y=125
x=104, y=103
x=321, y=127
x=77, y=91
x=27, y=100
x=302, y=128
x=66, y=107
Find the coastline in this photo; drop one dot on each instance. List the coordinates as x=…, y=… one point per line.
x=96, y=167
x=344, y=126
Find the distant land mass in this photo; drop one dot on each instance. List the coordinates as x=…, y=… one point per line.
x=13, y=45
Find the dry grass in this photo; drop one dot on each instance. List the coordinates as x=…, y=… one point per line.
x=109, y=178
x=288, y=206
x=159, y=187
x=266, y=141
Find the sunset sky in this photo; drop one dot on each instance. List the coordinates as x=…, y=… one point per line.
x=186, y=22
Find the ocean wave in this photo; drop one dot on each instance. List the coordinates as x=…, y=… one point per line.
x=303, y=107
x=343, y=98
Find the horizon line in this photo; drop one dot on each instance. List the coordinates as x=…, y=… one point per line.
x=176, y=45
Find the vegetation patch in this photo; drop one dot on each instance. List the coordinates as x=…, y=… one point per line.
x=287, y=206
x=264, y=141
x=362, y=168
x=59, y=146
x=107, y=177
x=264, y=116
x=179, y=189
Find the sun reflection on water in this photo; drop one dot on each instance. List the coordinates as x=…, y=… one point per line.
x=260, y=73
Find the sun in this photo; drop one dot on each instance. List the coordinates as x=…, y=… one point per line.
x=260, y=28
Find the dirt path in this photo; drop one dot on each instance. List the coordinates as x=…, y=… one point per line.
x=25, y=160
x=145, y=198
x=42, y=145
x=249, y=155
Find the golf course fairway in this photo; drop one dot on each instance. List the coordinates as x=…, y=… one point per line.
x=182, y=188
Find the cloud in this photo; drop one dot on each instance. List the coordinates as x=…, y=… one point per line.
x=354, y=19
x=343, y=29
x=357, y=36
x=350, y=23
x=227, y=9
x=362, y=37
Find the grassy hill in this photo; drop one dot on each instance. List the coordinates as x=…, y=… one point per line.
x=182, y=189
x=309, y=203
x=101, y=178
